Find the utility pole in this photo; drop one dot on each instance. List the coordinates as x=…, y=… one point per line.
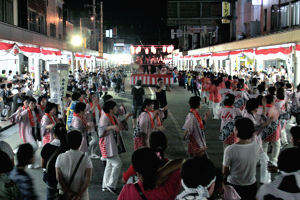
x=233, y=21
x=94, y=24
x=101, y=30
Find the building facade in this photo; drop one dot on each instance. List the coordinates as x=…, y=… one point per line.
x=271, y=38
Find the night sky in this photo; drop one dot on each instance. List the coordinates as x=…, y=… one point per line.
x=133, y=19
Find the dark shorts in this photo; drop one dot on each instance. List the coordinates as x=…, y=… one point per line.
x=136, y=110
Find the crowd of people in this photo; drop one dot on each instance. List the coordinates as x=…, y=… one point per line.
x=253, y=117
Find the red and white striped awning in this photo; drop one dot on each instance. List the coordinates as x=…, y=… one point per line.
x=279, y=50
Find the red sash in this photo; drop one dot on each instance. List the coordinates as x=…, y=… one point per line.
x=151, y=119
x=228, y=106
x=99, y=108
x=158, y=120
x=112, y=121
x=86, y=101
x=197, y=115
x=24, y=108
x=49, y=116
x=42, y=107
x=32, y=123
x=82, y=119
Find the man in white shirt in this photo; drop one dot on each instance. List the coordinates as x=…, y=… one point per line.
x=65, y=166
x=240, y=159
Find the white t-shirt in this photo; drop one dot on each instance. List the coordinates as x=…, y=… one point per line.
x=270, y=190
x=4, y=146
x=241, y=160
x=67, y=163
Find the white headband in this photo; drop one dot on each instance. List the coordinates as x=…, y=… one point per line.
x=283, y=174
x=202, y=191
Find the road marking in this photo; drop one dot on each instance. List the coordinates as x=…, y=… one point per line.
x=174, y=121
x=153, y=97
x=179, y=130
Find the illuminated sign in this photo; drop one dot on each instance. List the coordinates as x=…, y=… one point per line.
x=256, y=2
x=225, y=12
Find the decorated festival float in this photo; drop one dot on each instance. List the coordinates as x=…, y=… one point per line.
x=149, y=64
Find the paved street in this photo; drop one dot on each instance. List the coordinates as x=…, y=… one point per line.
x=178, y=109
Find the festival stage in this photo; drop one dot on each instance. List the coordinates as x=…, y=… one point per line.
x=151, y=79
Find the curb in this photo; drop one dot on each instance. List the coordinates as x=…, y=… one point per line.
x=6, y=127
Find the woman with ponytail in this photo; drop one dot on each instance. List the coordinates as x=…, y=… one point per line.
x=163, y=184
x=158, y=142
x=49, y=155
x=145, y=125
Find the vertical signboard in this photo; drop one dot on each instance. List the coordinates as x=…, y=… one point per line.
x=63, y=76
x=256, y=2
x=225, y=11
x=54, y=84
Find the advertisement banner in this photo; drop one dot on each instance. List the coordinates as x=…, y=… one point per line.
x=225, y=11
x=54, y=84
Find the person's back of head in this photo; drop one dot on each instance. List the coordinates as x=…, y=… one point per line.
x=146, y=163
x=76, y=96
x=79, y=107
x=281, y=84
x=240, y=86
x=195, y=102
x=139, y=82
x=107, y=97
x=251, y=105
x=227, y=84
x=60, y=131
x=74, y=139
x=254, y=81
x=272, y=90
x=289, y=167
x=108, y=105
x=159, y=142
x=229, y=100
x=295, y=136
x=6, y=165
x=270, y=99
x=244, y=128
x=288, y=86
x=261, y=88
x=25, y=155
x=198, y=176
x=280, y=93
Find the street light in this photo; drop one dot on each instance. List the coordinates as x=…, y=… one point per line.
x=76, y=40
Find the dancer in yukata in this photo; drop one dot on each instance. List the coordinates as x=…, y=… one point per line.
x=194, y=128
x=111, y=144
x=29, y=121
x=48, y=122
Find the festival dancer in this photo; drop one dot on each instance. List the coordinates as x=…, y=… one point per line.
x=48, y=122
x=29, y=121
x=111, y=144
x=228, y=115
x=145, y=125
x=194, y=128
x=94, y=122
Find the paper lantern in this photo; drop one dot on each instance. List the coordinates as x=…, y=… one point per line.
x=146, y=51
x=164, y=49
x=132, y=50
